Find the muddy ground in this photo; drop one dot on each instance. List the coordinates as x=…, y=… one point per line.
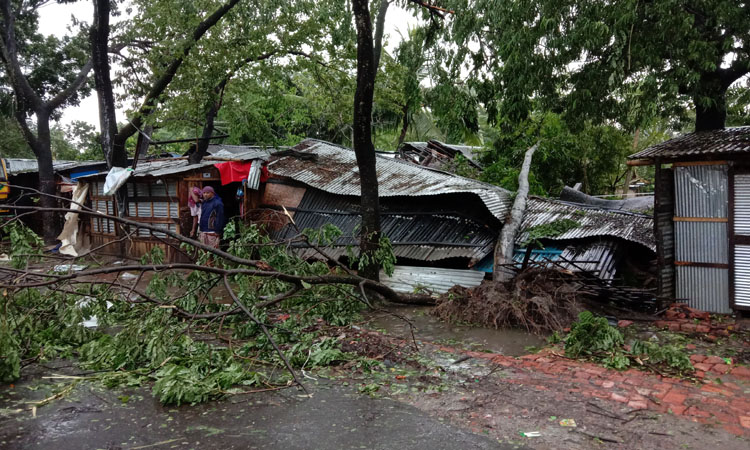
x=424, y=393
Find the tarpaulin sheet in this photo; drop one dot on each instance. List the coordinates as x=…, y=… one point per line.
x=69, y=234
x=233, y=171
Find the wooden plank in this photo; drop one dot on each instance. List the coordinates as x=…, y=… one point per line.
x=699, y=163
x=700, y=219
x=700, y=264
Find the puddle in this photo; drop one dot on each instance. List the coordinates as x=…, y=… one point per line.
x=429, y=328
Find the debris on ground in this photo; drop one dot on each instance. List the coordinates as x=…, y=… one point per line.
x=538, y=300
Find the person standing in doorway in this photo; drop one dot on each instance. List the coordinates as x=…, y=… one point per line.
x=212, y=218
x=194, y=202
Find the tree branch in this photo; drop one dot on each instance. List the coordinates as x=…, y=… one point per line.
x=160, y=85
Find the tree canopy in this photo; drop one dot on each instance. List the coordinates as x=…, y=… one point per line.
x=599, y=60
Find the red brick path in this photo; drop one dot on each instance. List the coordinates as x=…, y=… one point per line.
x=707, y=400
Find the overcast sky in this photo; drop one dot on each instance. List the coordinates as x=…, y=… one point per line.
x=56, y=18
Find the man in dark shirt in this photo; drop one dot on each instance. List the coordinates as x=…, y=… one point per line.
x=212, y=218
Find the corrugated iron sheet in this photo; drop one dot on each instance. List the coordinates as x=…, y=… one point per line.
x=599, y=258
x=701, y=191
x=701, y=242
x=420, y=234
x=594, y=222
x=717, y=143
x=742, y=204
x=742, y=275
x=17, y=166
x=409, y=279
x=163, y=167
x=336, y=172
x=704, y=288
x=223, y=149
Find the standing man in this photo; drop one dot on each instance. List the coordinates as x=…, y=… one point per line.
x=212, y=218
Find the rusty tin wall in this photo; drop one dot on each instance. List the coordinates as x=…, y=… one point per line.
x=701, y=191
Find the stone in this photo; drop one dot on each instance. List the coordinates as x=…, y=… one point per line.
x=624, y=323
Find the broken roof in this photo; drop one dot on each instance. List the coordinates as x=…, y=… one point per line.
x=592, y=222
x=336, y=172
x=728, y=142
x=421, y=233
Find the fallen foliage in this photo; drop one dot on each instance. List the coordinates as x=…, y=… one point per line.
x=592, y=337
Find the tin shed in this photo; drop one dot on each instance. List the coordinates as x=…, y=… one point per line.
x=702, y=217
x=158, y=195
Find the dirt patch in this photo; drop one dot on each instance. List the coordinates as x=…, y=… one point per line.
x=539, y=301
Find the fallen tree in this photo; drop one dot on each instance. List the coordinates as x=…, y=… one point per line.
x=261, y=302
x=506, y=241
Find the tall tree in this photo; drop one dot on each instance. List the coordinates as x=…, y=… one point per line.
x=625, y=60
x=99, y=37
x=363, y=146
x=45, y=74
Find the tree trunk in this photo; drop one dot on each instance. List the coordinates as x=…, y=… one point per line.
x=28, y=100
x=379, y=31
x=506, y=241
x=212, y=110
x=711, y=103
x=99, y=38
x=362, y=141
x=404, y=126
x=46, y=177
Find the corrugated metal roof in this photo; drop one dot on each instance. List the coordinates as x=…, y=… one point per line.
x=220, y=149
x=409, y=279
x=593, y=222
x=163, y=167
x=720, y=143
x=420, y=234
x=24, y=165
x=336, y=172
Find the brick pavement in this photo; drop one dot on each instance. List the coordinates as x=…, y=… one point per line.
x=719, y=394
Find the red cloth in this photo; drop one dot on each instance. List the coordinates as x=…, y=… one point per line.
x=233, y=171
x=263, y=174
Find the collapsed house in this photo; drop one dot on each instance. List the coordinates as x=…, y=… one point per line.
x=440, y=225
x=582, y=238
x=436, y=154
x=702, y=212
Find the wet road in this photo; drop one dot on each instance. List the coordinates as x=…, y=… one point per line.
x=336, y=417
